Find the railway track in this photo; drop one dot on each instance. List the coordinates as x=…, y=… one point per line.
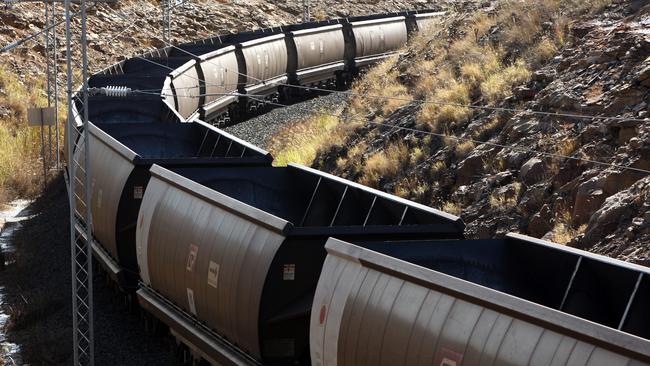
x=245, y=263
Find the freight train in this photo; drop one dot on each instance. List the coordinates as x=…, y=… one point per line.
x=249, y=264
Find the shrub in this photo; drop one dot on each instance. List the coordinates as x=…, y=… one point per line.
x=385, y=164
x=452, y=208
x=505, y=201
x=300, y=142
x=499, y=85
x=21, y=170
x=446, y=107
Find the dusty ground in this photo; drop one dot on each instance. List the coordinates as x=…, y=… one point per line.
x=38, y=290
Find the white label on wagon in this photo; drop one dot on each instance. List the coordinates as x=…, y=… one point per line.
x=138, y=192
x=289, y=272
x=191, y=258
x=213, y=274
x=190, y=300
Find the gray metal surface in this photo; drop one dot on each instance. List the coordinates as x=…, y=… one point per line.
x=112, y=165
x=371, y=309
x=185, y=84
x=266, y=60
x=320, y=52
x=221, y=75
x=80, y=191
x=377, y=39
x=168, y=94
x=426, y=21
x=197, y=248
x=213, y=349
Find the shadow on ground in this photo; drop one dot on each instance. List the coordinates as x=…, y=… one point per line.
x=38, y=296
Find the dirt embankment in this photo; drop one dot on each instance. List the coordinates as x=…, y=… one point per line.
x=37, y=296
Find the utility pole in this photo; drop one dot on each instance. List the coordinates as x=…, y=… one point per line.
x=305, y=11
x=49, y=80
x=56, y=87
x=166, y=20
x=80, y=190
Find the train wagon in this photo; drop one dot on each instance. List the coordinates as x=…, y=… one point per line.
x=239, y=251
x=513, y=301
x=316, y=55
x=121, y=155
x=422, y=22
x=183, y=87
x=263, y=67
x=371, y=41
x=220, y=72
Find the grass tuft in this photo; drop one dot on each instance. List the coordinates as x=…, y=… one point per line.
x=21, y=170
x=385, y=164
x=300, y=142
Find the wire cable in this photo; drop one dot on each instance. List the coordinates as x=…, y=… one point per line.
x=478, y=142
x=19, y=42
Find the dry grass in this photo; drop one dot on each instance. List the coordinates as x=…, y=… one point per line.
x=20, y=149
x=438, y=168
x=495, y=164
x=452, y=208
x=508, y=200
x=544, y=51
x=499, y=85
x=463, y=149
x=567, y=146
x=411, y=187
x=446, y=107
x=300, y=142
x=485, y=130
x=563, y=232
x=380, y=82
x=384, y=164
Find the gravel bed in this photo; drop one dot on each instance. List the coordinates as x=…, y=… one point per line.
x=260, y=129
x=38, y=290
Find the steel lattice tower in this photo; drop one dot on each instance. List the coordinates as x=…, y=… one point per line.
x=80, y=193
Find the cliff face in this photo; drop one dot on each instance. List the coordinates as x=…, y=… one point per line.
x=574, y=180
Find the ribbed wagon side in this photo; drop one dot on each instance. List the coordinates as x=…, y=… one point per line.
x=220, y=71
x=240, y=249
x=426, y=21
x=263, y=66
x=515, y=301
x=371, y=41
x=121, y=156
x=185, y=86
x=316, y=55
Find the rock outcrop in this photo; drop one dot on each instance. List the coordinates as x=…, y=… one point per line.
x=581, y=181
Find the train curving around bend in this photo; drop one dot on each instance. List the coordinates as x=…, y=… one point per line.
x=249, y=264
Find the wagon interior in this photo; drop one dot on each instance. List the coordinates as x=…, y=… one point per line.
x=309, y=199
x=179, y=141
x=588, y=287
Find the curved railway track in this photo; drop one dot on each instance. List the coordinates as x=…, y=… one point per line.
x=245, y=263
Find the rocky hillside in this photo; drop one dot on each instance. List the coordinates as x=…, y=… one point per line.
x=117, y=31
x=128, y=26
x=574, y=180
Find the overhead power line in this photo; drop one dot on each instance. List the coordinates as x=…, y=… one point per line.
x=407, y=100
x=20, y=41
x=478, y=142
x=412, y=100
